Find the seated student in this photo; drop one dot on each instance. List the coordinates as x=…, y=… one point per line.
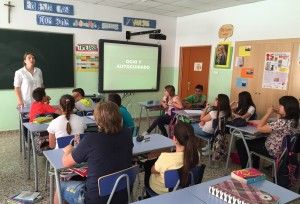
x=196, y=100
x=127, y=118
x=270, y=146
x=41, y=104
x=221, y=108
x=106, y=152
x=170, y=102
x=244, y=108
x=82, y=103
x=185, y=158
x=66, y=124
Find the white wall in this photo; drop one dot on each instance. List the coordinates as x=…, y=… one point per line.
x=26, y=20
x=271, y=19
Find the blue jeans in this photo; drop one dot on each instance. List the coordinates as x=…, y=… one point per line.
x=73, y=191
x=198, y=131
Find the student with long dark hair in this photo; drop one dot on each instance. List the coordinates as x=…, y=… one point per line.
x=66, y=124
x=185, y=158
x=244, y=108
x=170, y=102
x=270, y=146
x=205, y=128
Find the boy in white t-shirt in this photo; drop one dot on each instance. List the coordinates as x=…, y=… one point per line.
x=66, y=124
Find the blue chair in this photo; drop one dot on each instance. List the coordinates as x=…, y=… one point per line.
x=85, y=113
x=172, y=179
x=64, y=141
x=116, y=182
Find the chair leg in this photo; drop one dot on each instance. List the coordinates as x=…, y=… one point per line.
x=46, y=174
x=209, y=152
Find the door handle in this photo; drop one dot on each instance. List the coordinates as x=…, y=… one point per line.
x=189, y=84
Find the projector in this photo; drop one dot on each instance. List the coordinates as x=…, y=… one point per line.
x=157, y=36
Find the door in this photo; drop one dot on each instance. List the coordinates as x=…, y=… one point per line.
x=194, y=69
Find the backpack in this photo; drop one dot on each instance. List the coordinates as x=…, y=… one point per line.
x=288, y=164
x=220, y=142
x=41, y=142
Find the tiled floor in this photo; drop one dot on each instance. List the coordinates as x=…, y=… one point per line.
x=13, y=178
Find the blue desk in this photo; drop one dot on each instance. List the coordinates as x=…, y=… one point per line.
x=156, y=142
x=177, y=197
x=34, y=128
x=155, y=106
x=245, y=133
x=201, y=191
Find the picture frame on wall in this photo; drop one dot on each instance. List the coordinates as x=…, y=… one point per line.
x=223, y=53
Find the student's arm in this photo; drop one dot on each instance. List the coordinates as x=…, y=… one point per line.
x=204, y=112
x=262, y=125
x=177, y=103
x=52, y=140
x=19, y=97
x=67, y=159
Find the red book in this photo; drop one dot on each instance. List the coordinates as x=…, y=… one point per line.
x=249, y=175
x=83, y=171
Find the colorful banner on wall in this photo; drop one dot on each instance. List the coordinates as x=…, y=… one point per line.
x=87, y=58
x=139, y=22
x=78, y=23
x=276, y=70
x=33, y=5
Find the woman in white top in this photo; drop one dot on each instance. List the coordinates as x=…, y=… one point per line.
x=244, y=108
x=66, y=124
x=26, y=80
x=170, y=102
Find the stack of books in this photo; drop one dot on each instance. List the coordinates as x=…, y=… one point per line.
x=248, y=176
x=236, y=192
x=25, y=197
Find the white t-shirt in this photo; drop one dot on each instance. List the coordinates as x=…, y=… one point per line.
x=207, y=127
x=251, y=111
x=28, y=82
x=58, y=126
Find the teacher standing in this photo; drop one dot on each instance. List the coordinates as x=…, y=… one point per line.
x=26, y=80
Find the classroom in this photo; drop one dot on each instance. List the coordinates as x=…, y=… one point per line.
x=161, y=50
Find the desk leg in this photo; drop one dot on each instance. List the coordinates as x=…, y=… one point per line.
x=21, y=133
x=28, y=155
x=140, y=116
x=229, y=149
x=247, y=149
x=57, y=180
x=35, y=170
x=147, y=113
x=51, y=187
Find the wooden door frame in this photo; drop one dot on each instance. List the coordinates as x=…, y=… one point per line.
x=180, y=66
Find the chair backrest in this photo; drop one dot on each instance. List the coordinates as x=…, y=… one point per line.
x=65, y=141
x=88, y=113
x=254, y=116
x=109, y=184
x=196, y=174
x=134, y=131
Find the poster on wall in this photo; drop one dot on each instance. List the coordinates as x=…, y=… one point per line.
x=245, y=51
x=247, y=72
x=223, y=55
x=87, y=58
x=276, y=70
x=241, y=83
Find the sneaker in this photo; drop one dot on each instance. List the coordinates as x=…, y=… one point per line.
x=145, y=133
x=205, y=148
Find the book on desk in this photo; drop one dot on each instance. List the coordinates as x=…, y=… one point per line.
x=248, y=175
x=235, y=192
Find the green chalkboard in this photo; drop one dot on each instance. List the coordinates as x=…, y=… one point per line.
x=53, y=52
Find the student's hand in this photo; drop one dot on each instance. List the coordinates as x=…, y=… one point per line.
x=271, y=110
x=20, y=103
x=68, y=149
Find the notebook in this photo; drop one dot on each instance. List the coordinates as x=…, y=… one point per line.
x=25, y=197
x=249, y=175
x=235, y=192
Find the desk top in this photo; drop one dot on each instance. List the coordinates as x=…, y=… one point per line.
x=156, y=142
x=36, y=127
x=146, y=104
x=201, y=191
x=247, y=129
x=188, y=113
x=177, y=197
x=25, y=109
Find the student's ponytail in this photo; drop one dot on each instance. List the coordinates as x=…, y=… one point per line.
x=67, y=103
x=184, y=134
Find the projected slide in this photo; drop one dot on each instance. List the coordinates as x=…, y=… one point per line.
x=129, y=67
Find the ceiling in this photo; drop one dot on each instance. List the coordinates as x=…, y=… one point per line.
x=175, y=8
